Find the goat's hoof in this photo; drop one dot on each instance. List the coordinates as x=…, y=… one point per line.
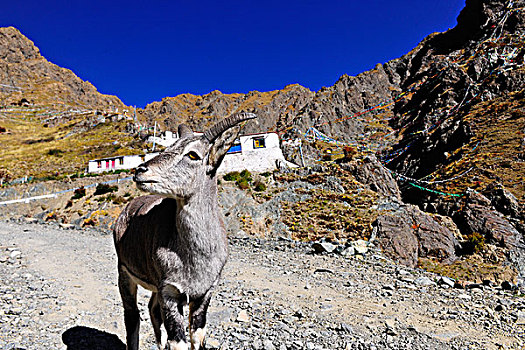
x=180, y=345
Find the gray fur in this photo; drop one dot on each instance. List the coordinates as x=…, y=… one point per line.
x=174, y=242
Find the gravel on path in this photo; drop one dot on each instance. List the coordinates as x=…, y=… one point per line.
x=59, y=291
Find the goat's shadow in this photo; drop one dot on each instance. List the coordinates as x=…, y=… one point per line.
x=85, y=338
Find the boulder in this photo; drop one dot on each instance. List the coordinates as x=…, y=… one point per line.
x=489, y=223
x=323, y=247
x=396, y=239
x=407, y=233
x=373, y=174
x=504, y=201
x=478, y=216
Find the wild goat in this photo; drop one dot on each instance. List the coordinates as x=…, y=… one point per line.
x=174, y=241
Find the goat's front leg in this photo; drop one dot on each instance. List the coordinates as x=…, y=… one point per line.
x=198, y=310
x=128, y=293
x=171, y=301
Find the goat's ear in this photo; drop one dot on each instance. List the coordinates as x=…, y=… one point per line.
x=220, y=147
x=184, y=131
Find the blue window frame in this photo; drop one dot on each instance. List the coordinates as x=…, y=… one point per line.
x=236, y=148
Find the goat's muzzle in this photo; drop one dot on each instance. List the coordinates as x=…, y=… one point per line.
x=140, y=173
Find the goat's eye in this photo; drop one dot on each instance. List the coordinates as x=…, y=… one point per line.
x=193, y=156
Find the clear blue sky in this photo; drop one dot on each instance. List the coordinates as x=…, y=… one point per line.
x=143, y=51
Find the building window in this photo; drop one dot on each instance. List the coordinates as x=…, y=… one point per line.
x=236, y=147
x=99, y=164
x=121, y=161
x=258, y=142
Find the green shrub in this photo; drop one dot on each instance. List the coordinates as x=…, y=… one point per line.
x=105, y=188
x=245, y=174
x=119, y=200
x=233, y=176
x=55, y=152
x=49, y=178
x=259, y=186
x=79, y=193
x=109, y=198
x=243, y=184
x=475, y=243
x=77, y=175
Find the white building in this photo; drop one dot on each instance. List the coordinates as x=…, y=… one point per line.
x=255, y=152
x=118, y=162
x=166, y=139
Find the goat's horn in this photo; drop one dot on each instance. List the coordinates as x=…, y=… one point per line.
x=215, y=131
x=184, y=130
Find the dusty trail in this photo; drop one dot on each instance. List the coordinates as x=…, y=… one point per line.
x=59, y=291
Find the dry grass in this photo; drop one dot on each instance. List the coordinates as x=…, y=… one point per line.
x=328, y=214
x=471, y=268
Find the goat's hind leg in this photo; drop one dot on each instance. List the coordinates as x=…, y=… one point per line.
x=155, y=314
x=198, y=310
x=128, y=293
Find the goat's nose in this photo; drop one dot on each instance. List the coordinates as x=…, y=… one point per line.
x=141, y=169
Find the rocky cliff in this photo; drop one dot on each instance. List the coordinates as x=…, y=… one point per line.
x=461, y=128
x=292, y=110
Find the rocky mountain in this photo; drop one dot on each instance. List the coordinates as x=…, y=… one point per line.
x=446, y=121
x=274, y=108
x=422, y=155
x=26, y=74
x=292, y=108
x=461, y=128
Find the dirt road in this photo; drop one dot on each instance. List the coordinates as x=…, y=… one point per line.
x=59, y=291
